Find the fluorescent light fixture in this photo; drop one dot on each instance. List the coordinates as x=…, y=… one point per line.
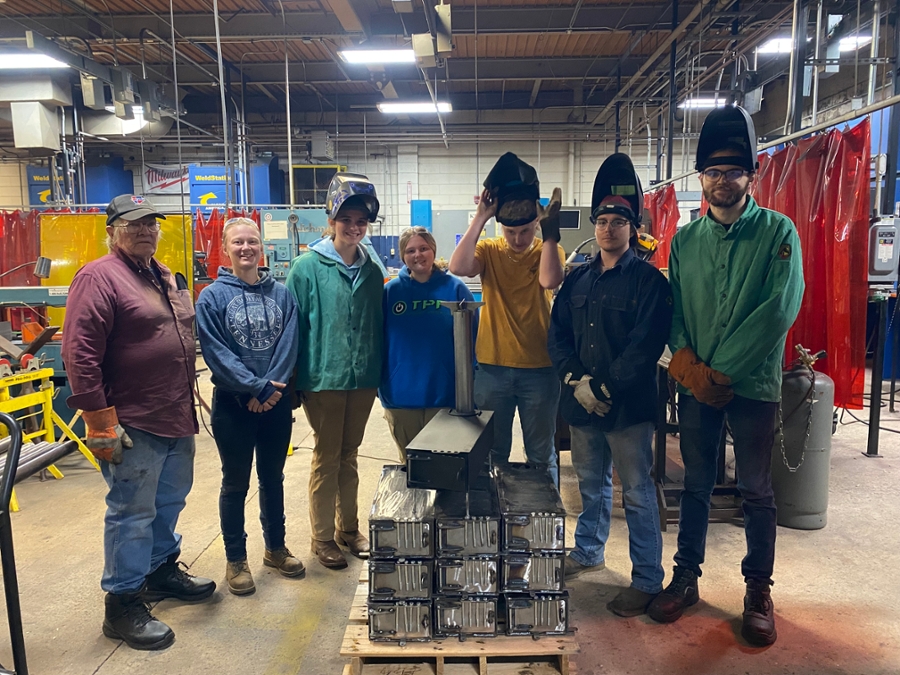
x=698, y=103
x=412, y=108
x=776, y=46
x=30, y=60
x=851, y=44
x=377, y=56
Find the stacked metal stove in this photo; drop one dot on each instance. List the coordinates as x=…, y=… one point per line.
x=467, y=564
x=458, y=549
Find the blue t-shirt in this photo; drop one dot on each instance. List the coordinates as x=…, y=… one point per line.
x=418, y=365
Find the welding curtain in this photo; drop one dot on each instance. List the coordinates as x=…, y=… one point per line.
x=19, y=236
x=662, y=207
x=208, y=238
x=823, y=185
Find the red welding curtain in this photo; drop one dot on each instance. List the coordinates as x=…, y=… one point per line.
x=662, y=206
x=823, y=185
x=19, y=244
x=208, y=238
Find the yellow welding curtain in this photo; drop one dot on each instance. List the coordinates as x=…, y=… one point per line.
x=71, y=240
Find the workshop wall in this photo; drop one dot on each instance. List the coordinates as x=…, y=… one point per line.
x=13, y=185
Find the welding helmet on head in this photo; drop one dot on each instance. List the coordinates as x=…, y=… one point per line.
x=729, y=127
x=351, y=189
x=510, y=180
x=617, y=189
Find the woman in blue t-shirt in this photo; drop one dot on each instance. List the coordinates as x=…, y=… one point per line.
x=418, y=377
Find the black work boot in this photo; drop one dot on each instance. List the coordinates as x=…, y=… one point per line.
x=680, y=594
x=759, y=614
x=128, y=618
x=171, y=580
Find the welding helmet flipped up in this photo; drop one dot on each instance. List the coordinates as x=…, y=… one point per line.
x=511, y=179
x=729, y=127
x=617, y=189
x=351, y=190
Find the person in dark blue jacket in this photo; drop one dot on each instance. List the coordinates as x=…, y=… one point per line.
x=248, y=333
x=608, y=328
x=418, y=376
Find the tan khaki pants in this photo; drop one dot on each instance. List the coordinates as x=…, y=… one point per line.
x=406, y=423
x=338, y=420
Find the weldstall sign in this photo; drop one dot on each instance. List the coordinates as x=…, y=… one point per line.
x=165, y=179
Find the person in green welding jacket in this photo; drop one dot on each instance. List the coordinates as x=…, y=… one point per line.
x=737, y=283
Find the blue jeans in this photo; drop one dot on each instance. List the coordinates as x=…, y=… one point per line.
x=146, y=495
x=535, y=392
x=753, y=430
x=238, y=433
x=593, y=454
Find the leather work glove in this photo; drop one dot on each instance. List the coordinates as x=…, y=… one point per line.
x=106, y=439
x=550, y=217
x=585, y=396
x=707, y=385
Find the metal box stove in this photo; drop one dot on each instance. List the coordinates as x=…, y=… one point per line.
x=537, y=615
x=467, y=524
x=400, y=621
x=523, y=573
x=465, y=617
x=533, y=515
x=467, y=576
x=402, y=518
x=400, y=579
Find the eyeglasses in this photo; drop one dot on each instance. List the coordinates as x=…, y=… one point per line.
x=136, y=227
x=731, y=175
x=616, y=224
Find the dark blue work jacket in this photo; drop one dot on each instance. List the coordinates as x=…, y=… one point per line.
x=613, y=325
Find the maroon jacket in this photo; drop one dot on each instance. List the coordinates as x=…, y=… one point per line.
x=129, y=342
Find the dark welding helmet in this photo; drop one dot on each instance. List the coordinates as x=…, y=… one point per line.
x=617, y=189
x=351, y=190
x=510, y=180
x=731, y=128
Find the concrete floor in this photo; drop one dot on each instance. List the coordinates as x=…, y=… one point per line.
x=837, y=590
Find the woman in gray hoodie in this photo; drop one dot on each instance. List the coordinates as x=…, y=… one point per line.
x=248, y=332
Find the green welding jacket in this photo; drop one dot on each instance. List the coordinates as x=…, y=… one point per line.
x=736, y=293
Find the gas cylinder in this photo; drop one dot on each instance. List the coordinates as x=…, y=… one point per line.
x=801, y=458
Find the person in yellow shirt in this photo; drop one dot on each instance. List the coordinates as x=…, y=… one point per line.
x=518, y=274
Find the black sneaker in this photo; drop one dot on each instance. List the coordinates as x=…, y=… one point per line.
x=759, y=614
x=128, y=618
x=680, y=594
x=171, y=580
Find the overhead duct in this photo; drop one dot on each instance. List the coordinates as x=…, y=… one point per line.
x=105, y=124
x=35, y=127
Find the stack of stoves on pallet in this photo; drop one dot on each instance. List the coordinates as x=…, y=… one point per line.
x=456, y=564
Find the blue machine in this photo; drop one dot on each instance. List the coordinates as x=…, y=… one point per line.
x=39, y=189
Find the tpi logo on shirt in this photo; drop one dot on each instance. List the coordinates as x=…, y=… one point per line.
x=254, y=321
x=401, y=306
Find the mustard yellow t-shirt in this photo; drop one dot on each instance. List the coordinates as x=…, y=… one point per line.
x=512, y=329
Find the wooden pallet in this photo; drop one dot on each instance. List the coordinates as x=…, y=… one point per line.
x=492, y=656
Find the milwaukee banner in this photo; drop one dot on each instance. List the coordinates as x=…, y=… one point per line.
x=161, y=179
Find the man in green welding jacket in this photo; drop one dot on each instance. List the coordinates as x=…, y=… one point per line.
x=737, y=283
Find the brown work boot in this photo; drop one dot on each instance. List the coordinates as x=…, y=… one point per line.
x=329, y=554
x=630, y=602
x=355, y=542
x=284, y=561
x=238, y=577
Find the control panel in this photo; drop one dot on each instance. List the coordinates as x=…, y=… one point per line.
x=884, y=254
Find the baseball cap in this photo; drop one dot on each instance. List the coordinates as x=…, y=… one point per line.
x=130, y=207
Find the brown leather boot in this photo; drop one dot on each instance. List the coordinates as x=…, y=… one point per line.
x=329, y=554
x=355, y=542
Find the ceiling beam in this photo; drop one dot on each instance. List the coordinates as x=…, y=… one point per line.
x=535, y=90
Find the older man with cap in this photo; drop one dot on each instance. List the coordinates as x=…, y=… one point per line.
x=737, y=284
x=518, y=273
x=128, y=348
x=608, y=328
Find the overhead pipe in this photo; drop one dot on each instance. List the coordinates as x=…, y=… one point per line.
x=570, y=176
x=873, y=52
x=439, y=114
x=673, y=57
x=188, y=258
x=149, y=33
x=287, y=107
x=816, y=54
x=888, y=196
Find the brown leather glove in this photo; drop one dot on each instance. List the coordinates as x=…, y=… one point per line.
x=106, y=438
x=707, y=385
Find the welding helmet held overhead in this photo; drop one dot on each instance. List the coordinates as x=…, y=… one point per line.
x=617, y=189
x=729, y=127
x=351, y=190
x=511, y=180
